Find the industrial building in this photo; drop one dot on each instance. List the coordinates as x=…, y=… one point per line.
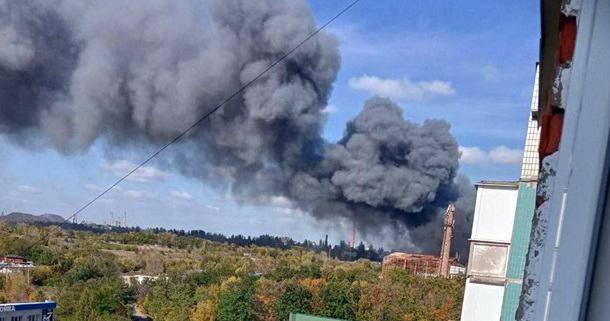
x=32, y=311
x=419, y=264
x=429, y=265
x=500, y=235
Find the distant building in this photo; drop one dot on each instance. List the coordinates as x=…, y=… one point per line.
x=429, y=265
x=11, y=263
x=33, y=311
x=416, y=264
x=137, y=279
x=419, y=264
x=12, y=259
x=500, y=236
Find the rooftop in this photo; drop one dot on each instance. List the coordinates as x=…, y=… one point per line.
x=513, y=184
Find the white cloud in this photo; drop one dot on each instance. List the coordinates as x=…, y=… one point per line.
x=213, y=208
x=144, y=174
x=402, y=89
x=329, y=109
x=181, y=196
x=490, y=72
x=27, y=189
x=472, y=155
x=505, y=155
x=499, y=155
x=138, y=195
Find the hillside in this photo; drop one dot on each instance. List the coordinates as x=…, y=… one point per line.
x=342, y=251
x=17, y=217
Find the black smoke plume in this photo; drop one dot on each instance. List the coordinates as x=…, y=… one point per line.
x=141, y=70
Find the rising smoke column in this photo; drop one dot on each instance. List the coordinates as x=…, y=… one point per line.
x=140, y=71
x=387, y=171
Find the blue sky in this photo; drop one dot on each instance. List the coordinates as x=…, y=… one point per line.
x=472, y=65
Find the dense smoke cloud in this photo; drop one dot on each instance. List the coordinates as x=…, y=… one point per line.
x=143, y=70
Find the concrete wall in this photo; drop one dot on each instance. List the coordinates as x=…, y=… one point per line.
x=482, y=302
x=562, y=281
x=494, y=213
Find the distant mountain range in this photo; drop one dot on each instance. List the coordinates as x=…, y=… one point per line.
x=17, y=217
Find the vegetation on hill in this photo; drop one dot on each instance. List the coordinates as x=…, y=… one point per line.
x=17, y=217
x=341, y=251
x=202, y=280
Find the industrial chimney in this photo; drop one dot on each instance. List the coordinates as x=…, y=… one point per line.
x=446, y=246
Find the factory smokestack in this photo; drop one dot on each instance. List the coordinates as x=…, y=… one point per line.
x=447, y=238
x=137, y=72
x=353, y=240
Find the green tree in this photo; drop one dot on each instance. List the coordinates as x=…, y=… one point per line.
x=99, y=299
x=294, y=299
x=208, y=302
x=95, y=265
x=42, y=256
x=236, y=302
x=170, y=299
x=339, y=300
x=385, y=301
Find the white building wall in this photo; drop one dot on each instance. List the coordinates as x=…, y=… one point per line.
x=494, y=213
x=531, y=163
x=492, y=229
x=482, y=302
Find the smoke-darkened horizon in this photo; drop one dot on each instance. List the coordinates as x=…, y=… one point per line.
x=141, y=71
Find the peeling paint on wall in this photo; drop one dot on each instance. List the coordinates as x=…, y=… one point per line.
x=571, y=7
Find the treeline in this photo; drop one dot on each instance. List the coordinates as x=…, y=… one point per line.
x=349, y=293
x=342, y=251
x=201, y=280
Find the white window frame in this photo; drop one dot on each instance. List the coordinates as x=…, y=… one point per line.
x=490, y=279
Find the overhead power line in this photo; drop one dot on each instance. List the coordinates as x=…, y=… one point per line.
x=202, y=118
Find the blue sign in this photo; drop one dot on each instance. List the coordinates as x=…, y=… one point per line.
x=11, y=307
x=7, y=308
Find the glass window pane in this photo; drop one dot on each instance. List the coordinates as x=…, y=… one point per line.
x=489, y=260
